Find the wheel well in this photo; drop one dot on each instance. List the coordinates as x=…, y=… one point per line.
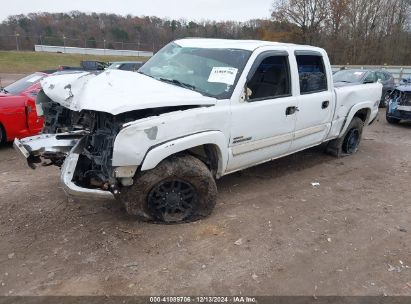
x=208, y=154
x=3, y=131
x=363, y=114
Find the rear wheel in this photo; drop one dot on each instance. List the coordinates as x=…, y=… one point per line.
x=180, y=189
x=349, y=142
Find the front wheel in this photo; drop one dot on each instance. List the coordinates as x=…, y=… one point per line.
x=180, y=189
x=349, y=142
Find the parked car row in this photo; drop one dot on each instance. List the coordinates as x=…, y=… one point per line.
x=360, y=76
x=18, y=113
x=396, y=99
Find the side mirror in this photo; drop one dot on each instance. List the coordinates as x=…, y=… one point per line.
x=379, y=80
x=245, y=96
x=248, y=92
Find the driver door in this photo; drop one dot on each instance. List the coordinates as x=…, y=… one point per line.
x=262, y=126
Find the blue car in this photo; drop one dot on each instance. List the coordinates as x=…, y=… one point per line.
x=399, y=105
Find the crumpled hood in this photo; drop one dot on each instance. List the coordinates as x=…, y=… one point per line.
x=116, y=92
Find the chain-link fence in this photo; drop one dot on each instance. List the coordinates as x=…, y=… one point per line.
x=26, y=43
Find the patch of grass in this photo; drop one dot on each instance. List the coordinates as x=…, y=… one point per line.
x=28, y=62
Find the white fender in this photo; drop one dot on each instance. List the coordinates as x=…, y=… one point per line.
x=372, y=111
x=155, y=155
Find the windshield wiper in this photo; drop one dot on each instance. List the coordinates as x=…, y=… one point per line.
x=178, y=83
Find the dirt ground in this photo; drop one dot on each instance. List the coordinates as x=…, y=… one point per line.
x=272, y=231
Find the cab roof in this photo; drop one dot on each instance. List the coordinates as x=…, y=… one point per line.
x=249, y=45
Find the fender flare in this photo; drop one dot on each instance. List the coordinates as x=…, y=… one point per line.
x=158, y=153
x=368, y=105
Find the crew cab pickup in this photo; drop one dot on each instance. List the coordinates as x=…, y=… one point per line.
x=18, y=115
x=199, y=109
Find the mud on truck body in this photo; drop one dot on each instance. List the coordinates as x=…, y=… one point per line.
x=156, y=140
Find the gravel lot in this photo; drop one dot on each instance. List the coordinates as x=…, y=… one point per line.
x=272, y=232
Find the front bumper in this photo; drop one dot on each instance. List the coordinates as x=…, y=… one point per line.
x=34, y=149
x=71, y=189
x=399, y=112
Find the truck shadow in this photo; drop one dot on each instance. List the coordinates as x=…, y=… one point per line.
x=278, y=168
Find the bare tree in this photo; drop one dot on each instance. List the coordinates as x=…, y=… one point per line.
x=308, y=15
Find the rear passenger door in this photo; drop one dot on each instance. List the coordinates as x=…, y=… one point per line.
x=315, y=102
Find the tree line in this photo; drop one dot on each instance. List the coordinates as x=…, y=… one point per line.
x=352, y=31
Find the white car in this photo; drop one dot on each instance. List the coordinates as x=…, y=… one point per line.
x=200, y=109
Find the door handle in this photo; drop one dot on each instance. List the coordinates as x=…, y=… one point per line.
x=325, y=104
x=291, y=110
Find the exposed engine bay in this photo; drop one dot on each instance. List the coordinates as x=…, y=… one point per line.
x=97, y=132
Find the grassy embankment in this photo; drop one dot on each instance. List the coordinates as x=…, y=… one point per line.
x=27, y=62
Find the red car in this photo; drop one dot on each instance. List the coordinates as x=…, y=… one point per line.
x=18, y=115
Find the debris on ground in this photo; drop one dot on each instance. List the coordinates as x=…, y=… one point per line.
x=315, y=184
x=238, y=242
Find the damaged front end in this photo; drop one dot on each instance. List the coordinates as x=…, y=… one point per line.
x=399, y=106
x=81, y=144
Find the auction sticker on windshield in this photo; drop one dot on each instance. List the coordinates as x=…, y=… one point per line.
x=223, y=75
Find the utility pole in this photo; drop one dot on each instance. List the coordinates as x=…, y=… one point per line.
x=17, y=42
x=64, y=43
x=104, y=42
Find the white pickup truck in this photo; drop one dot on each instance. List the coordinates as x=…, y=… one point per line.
x=156, y=140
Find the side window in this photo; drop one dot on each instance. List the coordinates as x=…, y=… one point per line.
x=381, y=75
x=271, y=79
x=311, y=70
x=370, y=78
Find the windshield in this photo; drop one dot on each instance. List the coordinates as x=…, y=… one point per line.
x=211, y=72
x=23, y=84
x=352, y=76
x=125, y=66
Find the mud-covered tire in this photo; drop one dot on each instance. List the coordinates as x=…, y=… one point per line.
x=156, y=197
x=349, y=142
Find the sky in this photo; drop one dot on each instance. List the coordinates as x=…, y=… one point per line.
x=237, y=10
